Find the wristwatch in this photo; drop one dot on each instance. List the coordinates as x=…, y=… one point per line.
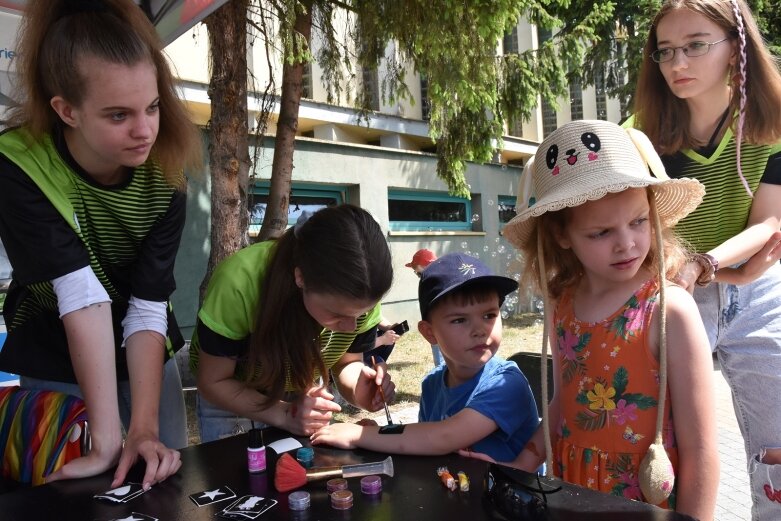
x=709, y=268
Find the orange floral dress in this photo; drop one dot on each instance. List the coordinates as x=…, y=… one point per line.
x=608, y=399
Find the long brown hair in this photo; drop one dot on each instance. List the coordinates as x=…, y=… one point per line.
x=665, y=118
x=563, y=270
x=339, y=250
x=55, y=36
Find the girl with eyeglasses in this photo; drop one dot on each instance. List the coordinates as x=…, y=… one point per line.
x=708, y=97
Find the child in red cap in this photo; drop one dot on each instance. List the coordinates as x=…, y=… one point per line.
x=420, y=260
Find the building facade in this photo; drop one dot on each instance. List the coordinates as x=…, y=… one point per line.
x=384, y=163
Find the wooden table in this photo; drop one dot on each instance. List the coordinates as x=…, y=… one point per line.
x=414, y=493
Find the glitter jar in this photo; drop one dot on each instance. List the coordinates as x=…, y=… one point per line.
x=371, y=485
x=305, y=456
x=332, y=485
x=298, y=500
x=342, y=500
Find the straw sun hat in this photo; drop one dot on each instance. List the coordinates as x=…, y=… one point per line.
x=585, y=160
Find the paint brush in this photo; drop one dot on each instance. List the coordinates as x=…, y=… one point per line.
x=382, y=395
x=289, y=474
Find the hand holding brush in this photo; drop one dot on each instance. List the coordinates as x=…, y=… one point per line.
x=290, y=475
x=382, y=395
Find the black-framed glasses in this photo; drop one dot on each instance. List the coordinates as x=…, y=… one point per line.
x=690, y=50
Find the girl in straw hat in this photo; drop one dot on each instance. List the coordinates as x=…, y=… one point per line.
x=708, y=97
x=595, y=232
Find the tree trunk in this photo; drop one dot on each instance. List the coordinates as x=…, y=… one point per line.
x=228, y=132
x=275, y=220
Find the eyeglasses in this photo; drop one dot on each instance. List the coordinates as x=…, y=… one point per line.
x=690, y=50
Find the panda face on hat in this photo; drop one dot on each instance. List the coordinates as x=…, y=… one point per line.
x=587, y=149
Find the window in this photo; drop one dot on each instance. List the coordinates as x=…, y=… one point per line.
x=575, y=99
x=515, y=127
x=506, y=208
x=302, y=197
x=306, y=82
x=549, y=123
x=428, y=211
x=543, y=35
x=371, y=87
x=425, y=103
x=601, y=94
x=510, y=41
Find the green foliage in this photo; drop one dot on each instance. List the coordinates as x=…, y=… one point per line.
x=473, y=88
x=769, y=21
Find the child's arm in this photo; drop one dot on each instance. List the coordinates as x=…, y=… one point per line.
x=690, y=380
x=755, y=266
x=533, y=454
x=427, y=438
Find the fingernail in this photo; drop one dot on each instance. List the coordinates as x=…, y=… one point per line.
x=147, y=486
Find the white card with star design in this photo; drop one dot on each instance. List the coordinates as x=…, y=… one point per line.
x=135, y=516
x=207, y=497
x=122, y=494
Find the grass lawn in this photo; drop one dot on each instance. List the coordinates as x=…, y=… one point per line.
x=411, y=361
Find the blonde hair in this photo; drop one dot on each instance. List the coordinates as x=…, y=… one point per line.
x=563, y=269
x=56, y=36
x=665, y=118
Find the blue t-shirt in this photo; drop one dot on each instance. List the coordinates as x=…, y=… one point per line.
x=500, y=392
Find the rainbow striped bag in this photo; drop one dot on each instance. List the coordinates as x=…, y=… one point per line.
x=40, y=431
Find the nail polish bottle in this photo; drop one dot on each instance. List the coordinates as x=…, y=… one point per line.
x=256, y=452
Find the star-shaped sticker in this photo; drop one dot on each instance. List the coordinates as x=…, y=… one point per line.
x=211, y=494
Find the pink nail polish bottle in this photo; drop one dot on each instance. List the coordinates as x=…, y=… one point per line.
x=256, y=452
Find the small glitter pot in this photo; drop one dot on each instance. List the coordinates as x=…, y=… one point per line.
x=332, y=485
x=305, y=456
x=342, y=500
x=298, y=500
x=371, y=485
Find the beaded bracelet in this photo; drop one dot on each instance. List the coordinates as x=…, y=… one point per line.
x=710, y=265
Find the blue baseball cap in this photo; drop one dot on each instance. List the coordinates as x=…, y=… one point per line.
x=454, y=271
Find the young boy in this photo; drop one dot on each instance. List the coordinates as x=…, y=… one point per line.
x=474, y=400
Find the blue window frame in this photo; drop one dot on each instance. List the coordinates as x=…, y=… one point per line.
x=428, y=211
x=302, y=197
